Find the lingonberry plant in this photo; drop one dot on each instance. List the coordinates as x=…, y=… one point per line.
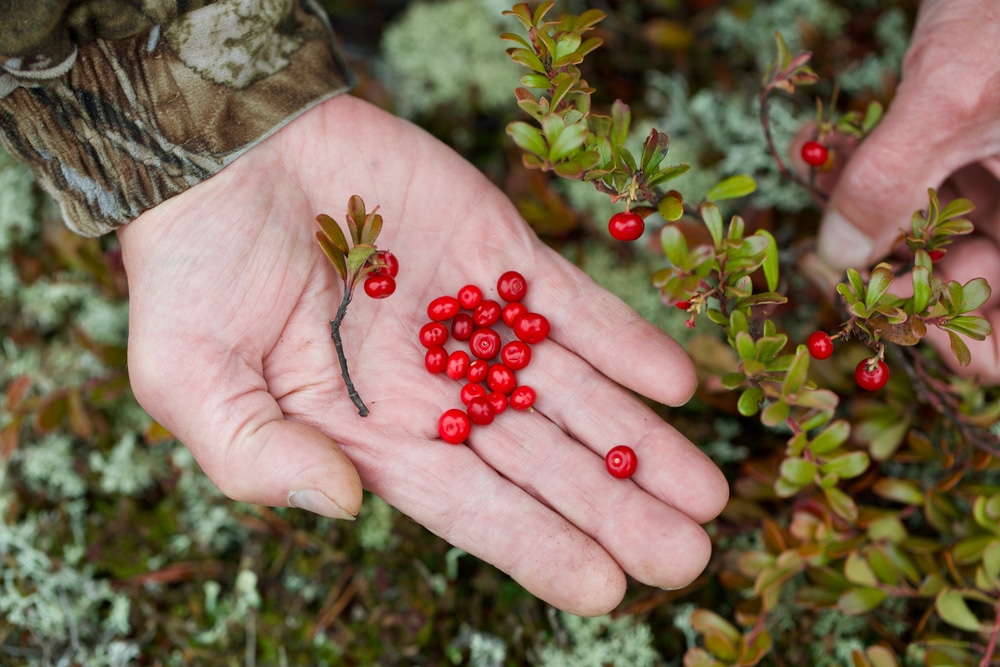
x=855, y=539
x=357, y=262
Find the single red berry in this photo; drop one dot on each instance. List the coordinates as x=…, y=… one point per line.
x=462, y=326
x=871, y=378
x=487, y=313
x=515, y=354
x=379, y=286
x=500, y=378
x=480, y=411
x=457, y=365
x=476, y=372
x=484, y=343
x=498, y=401
x=820, y=345
x=390, y=265
x=454, y=426
x=937, y=254
x=443, y=308
x=814, y=153
x=683, y=305
x=621, y=462
x=433, y=334
x=626, y=226
x=532, y=328
x=436, y=359
x=523, y=397
x=470, y=296
x=512, y=311
x=512, y=286
x=469, y=391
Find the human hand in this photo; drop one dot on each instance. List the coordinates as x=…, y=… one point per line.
x=229, y=348
x=942, y=131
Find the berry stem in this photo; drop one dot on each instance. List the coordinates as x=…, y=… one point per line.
x=339, y=345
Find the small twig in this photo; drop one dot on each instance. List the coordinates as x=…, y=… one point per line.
x=992, y=646
x=339, y=345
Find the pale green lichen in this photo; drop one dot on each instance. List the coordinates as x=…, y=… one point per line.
x=374, y=527
x=18, y=202
x=599, y=642
x=48, y=467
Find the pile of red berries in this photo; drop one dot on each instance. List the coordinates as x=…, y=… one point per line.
x=870, y=374
x=487, y=368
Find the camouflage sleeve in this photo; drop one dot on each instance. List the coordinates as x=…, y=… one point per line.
x=118, y=105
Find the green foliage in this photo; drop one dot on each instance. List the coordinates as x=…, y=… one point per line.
x=598, y=642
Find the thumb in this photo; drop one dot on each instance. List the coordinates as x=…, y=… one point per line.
x=238, y=434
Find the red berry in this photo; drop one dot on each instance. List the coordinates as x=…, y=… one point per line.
x=436, y=359
x=462, y=326
x=512, y=286
x=443, y=308
x=683, y=305
x=814, y=153
x=523, y=397
x=480, y=411
x=487, y=313
x=512, y=311
x=621, y=461
x=937, y=254
x=484, y=343
x=532, y=328
x=470, y=296
x=433, y=334
x=500, y=378
x=871, y=379
x=820, y=345
x=457, y=365
x=379, y=286
x=476, y=372
x=626, y=226
x=498, y=401
x=390, y=265
x=470, y=391
x=454, y=426
x=515, y=354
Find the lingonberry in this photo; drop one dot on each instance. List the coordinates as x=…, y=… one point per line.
x=470, y=296
x=626, y=226
x=443, y=308
x=462, y=326
x=457, y=365
x=436, y=359
x=515, y=354
x=512, y=311
x=512, y=286
x=937, y=254
x=476, y=372
x=683, y=305
x=498, y=401
x=480, y=411
x=469, y=391
x=486, y=313
x=500, y=378
x=454, y=426
x=621, y=461
x=484, y=343
x=523, y=397
x=379, y=286
x=814, y=153
x=389, y=264
x=531, y=328
x=871, y=376
x=820, y=345
x=433, y=334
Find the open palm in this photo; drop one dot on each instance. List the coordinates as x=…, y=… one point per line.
x=229, y=348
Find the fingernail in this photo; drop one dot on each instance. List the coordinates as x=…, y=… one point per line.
x=318, y=503
x=841, y=244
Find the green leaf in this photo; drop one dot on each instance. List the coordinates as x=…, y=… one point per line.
x=798, y=471
x=770, y=260
x=974, y=294
x=878, y=284
x=960, y=349
x=733, y=187
x=745, y=346
x=847, y=466
x=674, y=245
x=859, y=571
x=953, y=610
x=857, y=601
x=333, y=232
x=569, y=139
x=333, y=253
x=654, y=150
x=972, y=326
x=528, y=138
x=841, y=503
x=797, y=373
x=902, y=491
x=921, y=288
x=621, y=118
x=873, y=114
x=372, y=228
x=749, y=402
x=355, y=217
x=712, y=216
x=527, y=59
x=774, y=414
x=667, y=174
x=832, y=437
x=357, y=257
